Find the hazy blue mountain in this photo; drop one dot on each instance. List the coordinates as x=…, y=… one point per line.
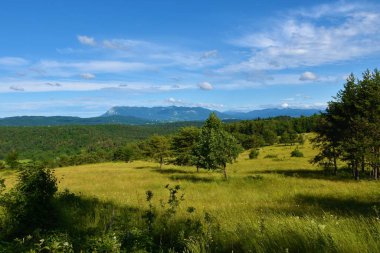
x=148, y=115
x=176, y=113
x=164, y=114
x=66, y=120
x=273, y=112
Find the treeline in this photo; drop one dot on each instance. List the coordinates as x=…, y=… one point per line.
x=45, y=143
x=60, y=146
x=349, y=130
x=262, y=132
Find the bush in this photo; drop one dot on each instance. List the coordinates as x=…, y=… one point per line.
x=12, y=160
x=2, y=165
x=254, y=153
x=127, y=153
x=296, y=153
x=29, y=205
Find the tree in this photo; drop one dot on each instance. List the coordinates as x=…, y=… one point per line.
x=351, y=125
x=126, y=153
x=285, y=138
x=29, y=204
x=183, y=144
x=158, y=148
x=12, y=160
x=270, y=136
x=215, y=147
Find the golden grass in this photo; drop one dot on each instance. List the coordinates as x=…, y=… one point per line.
x=285, y=193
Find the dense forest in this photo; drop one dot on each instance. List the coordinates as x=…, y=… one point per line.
x=88, y=144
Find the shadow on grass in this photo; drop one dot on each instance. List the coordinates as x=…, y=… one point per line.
x=340, y=206
x=144, y=167
x=191, y=178
x=342, y=175
x=88, y=221
x=82, y=216
x=172, y=171
x=309, y=205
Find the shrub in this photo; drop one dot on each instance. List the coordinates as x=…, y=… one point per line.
x=12, y=160
x=127, y=153
x=296, y=153
x=254, y=153
x=2, y=165
x=29, y=205
x=271, y=156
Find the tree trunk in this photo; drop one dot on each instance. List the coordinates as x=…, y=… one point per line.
x=197, y=169
x=376, y=172
x=356, y=171
x=363, y=164
x=225, y=172
x=161, y=162
x=335, y=163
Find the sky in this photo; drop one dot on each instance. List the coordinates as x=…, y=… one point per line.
x=80, y=58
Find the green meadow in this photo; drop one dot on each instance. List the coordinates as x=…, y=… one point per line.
x=275, y=203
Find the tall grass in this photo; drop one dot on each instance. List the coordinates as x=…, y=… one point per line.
x=267, y=205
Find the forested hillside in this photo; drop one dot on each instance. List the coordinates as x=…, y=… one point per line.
x=48, y=142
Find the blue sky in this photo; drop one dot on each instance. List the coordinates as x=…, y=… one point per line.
x=80, y=58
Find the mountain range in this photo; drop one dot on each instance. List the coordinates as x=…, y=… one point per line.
x=150, y=115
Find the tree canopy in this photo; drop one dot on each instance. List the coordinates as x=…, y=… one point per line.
x=215, y=147
x=350, y=127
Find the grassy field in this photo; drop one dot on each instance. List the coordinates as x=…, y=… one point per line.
x=276, y=204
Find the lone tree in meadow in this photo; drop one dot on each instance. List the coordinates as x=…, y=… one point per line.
x=215, y=147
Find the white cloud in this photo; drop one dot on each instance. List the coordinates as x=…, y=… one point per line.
x=308, y=76
x=174, y=101
x=205, y=86
x=274, y=79
x=85, y=40
x=321, y=35
x=86, y=85
x=285, y=105
x=74, y=68
x=179, y=102
x=12, y=61
x=87, y=76
x=126, y=44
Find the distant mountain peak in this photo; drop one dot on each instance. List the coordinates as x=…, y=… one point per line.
x=183, y=113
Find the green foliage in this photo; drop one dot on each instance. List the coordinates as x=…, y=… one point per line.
x=29, y=204
x=183, y=144
x=260, y=132
x=296, y=153
x=158, y=148
x=215, y=147
x=273, y=156
x=127, y=153
x=2, y=165
x=44, y=143
x=51, y=242
x=163, y=230
x=350, y=128
x=12, y=160
x=270, y=136
x=254, y=153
